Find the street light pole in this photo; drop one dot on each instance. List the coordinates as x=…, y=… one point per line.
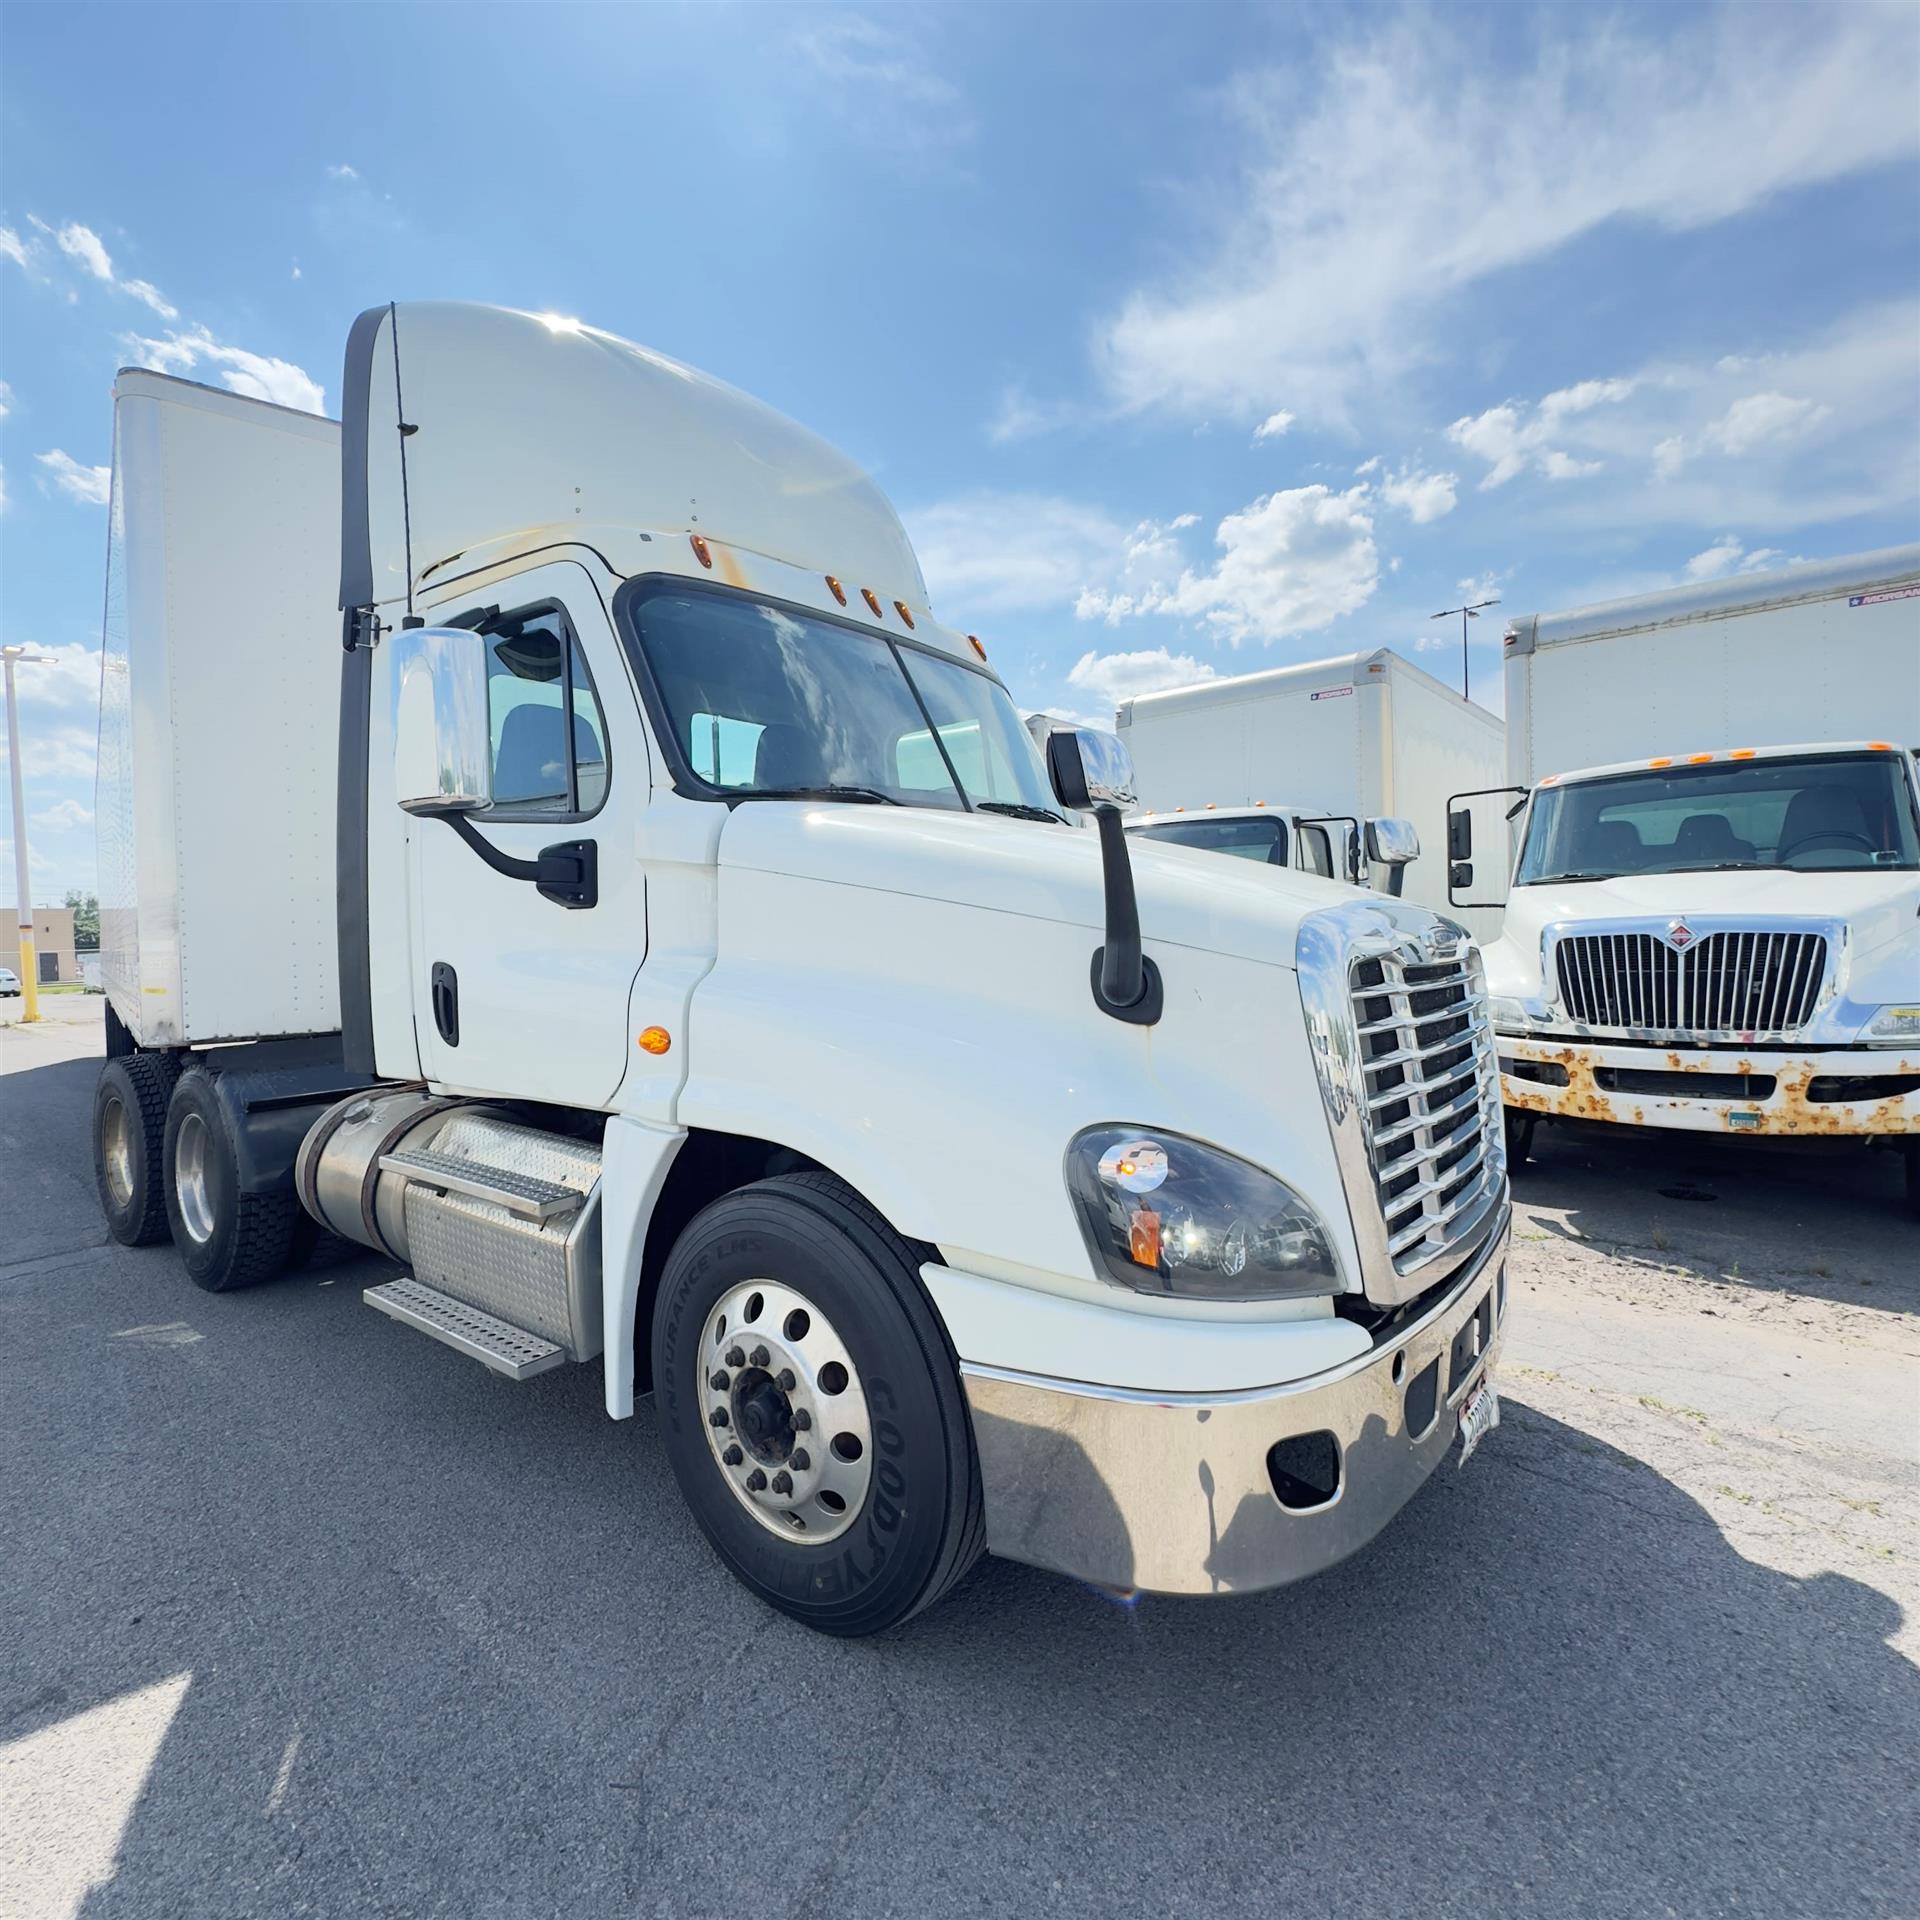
x=1466, y=614
x=29, y=967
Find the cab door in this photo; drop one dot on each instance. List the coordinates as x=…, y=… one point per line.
x=521, y=989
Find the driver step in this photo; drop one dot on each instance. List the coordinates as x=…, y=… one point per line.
x=520, y=1193
x=497, y=1344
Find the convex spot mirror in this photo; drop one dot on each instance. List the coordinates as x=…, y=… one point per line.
x=1090, y=768
x=1392, y=842
x=442, y=742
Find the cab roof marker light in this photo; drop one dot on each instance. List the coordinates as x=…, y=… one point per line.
x=974, y=642
x=1741, y=753
x=701, y=551
x=900, y=607
x=836, y=589
x=1698, y=759
x=1879, y=746
x=873, y=602
x=1666, y=761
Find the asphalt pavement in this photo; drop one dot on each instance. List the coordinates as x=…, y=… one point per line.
x=303, y=1614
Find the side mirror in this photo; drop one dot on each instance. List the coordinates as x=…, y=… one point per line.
x=1089, y=768
x=442, y=743
x=1460, y=834
x=1392, y=842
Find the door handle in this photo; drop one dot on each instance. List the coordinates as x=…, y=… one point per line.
x=446, y=1002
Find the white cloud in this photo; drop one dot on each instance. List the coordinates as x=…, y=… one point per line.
x=61, y=815
x=146, y=291
x=3, y=489
x=1008, y=552
x=1366, y=467
x=1761, y=417
x=91, y=486
x=1290, y=562
x=66, y=677
x=83, y=244
x=1112, y=678
x=258, y=375
x=341, y=171
x=1728, y=555
x=1420, y=496
x=13, y=248
x=53, y=750
x=6, y=399
x=1019, y=416
x=1273, y=425
x=1510, y=438
x=863, y=65
x=1356, y=206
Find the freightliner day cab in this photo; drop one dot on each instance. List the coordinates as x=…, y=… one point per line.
x=1718, y=929
x=656, y=934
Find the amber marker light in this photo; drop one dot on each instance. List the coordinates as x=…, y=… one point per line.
x=1879, y=746
x=976, y=646
x=1741, y=753
x=900, y=607
x=873, y=602
x=1698, y=759
x=836, y=589
x=700, y=550
x=1667, y=762
x=654, y=1040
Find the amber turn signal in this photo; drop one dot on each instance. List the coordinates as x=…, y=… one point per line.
x=654, y=1040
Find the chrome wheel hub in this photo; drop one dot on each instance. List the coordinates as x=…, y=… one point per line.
x=191, y=1150
x=116, y=1152
x=785, y=1414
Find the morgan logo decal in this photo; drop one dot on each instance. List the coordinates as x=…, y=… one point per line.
x=1679, y=935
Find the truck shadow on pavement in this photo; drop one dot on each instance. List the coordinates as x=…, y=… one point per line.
x=454, y=1648
x=1816, y=1220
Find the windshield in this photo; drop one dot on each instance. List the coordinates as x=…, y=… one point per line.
x=765, y=701
x=1257, y=839
x=1820, y=814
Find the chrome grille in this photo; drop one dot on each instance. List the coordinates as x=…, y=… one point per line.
x=1430, y=1100
x=1730, y=984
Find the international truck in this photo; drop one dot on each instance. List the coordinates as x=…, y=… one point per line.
x=1333, y=742
x=548, y=840
x=1713, y=922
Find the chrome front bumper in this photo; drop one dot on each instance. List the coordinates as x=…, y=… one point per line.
x=1173, y=1493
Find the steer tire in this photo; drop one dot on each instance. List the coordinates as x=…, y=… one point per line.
x=920, y=1524
x=227, y=1238
x=1519, y=1131
x=129, y=1125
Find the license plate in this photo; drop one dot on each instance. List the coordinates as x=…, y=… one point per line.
x=1478, y=1418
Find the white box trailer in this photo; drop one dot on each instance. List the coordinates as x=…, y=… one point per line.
x=219, y=718
x=1713, y=921
x=617, y=901
x=1358, y=736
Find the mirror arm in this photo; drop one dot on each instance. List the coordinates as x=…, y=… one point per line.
x=1126, y=984
x=567, y=874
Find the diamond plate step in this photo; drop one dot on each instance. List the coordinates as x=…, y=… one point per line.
x=506, y=1349
x=519, y=1193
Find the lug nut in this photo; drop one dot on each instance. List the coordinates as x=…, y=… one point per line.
x=719, y=1383
x=733, y=1456
x=756, y=1480
x=760, y=1356
x=718, y=1417
x=784, y=1380
x=802, y=1419
x=735, y=1358
x=800, y=1459
x=783, y=1481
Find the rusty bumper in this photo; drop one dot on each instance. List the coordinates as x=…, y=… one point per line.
x=1845, y=1091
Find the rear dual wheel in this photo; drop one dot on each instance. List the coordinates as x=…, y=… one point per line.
x=228, y=1237
x=812, y=1409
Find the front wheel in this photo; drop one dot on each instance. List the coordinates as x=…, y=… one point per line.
x=812, y=1409
x=1519, y=1130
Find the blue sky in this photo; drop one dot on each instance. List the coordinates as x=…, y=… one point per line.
x=1187, y=339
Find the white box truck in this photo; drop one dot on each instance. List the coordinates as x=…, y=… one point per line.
x=1330, y=742
x=1714, y=913
x=638, y=919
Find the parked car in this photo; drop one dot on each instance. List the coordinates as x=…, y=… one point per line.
x=9, y=982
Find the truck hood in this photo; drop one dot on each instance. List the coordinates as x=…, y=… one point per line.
x=1880, y=909
x=1027, y=868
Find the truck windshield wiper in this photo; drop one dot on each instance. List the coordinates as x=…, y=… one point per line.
x=1015, y=811
x=1595, y=875
x=870, y=794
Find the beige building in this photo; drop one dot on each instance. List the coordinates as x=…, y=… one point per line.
x=53, y=946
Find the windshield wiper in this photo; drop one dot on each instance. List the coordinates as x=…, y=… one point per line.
x=1016, y=811
x=1556, y=877
x=870, y=794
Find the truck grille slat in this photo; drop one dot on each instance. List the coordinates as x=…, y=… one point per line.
x=1735, y=984
x=1430, y=1094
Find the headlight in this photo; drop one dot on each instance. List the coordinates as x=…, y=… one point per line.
x=1163, y=1214
x=1508, y=1015
x=1894, y=1026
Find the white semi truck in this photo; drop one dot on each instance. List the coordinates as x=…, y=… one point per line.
x=1714, y=914
x=1331, y=744
x=639, y=920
